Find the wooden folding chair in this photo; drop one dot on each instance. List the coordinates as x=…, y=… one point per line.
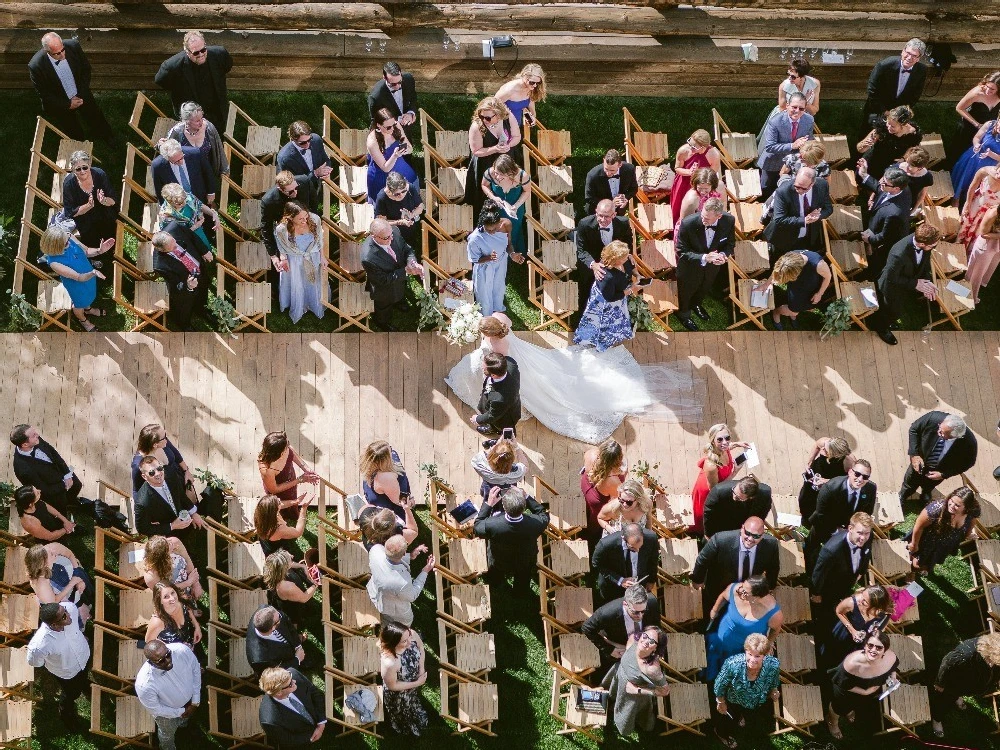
x=685, y=708
x=117, y=655
x=952, y=306
x=988, y=522
x=677, y=557
x=132, y=606
x=235, y=718
x=351, y=721
x=794, y=603
x=906, y=708
x=150, y=298
x=18, y=618
x=462, y=559
x=448, y=221
x=257, y=143
x=846, y=257
x=890, y=561
x=252, y=300
x=16, y=675
x=644, y=147
x=843, y=186
x=680, y=607
x=655, y=257
x=661, y=298
x=350, y=656
x=743, y=185
x=686, y=655
x=449, y=151
x=652, y=221
x=557, y=218
x=673, y=516
x=350, y=146
x=125, y=552
x=565, y=607
x=946, y=219
x=910, y=650
x=555, y=181
x=859, y=295
x=465, y=605
x=941, y=191
x=145, y=111
x=249, y=218
x=951, y=258
x=442, y=500
x=227, y=657
x=737, y=150
x=565, y=561
x=791, y=561
x=796, y=655
x=15, y=570
x=571, y=655
x=888, y=512
x=472, y=704
x=838, y=151
x=549, y=147
x=845, y=222
x=933, y=144
x=232, y=558
x=556, y=299
x=800, y=707
x=784, y=520
x=567, y=515
x=133, y=724
x=752, y=258
x=741, y=295
x=467, y=655
x=565, y=709
x=748, y=224
x=357, y=613
x=233, y=603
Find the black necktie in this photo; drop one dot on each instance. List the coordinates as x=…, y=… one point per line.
x=57, y=61
x=746, y=565
x=932, y=460
x=854, y=500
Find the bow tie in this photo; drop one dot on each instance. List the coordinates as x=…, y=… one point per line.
x=711, y=226
x=906, y=70
x=303, y=151
x=606, y=229
x=57, y=61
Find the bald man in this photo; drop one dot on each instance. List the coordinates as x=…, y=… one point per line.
x=169, y=687
x=387, y=261
x=732, y=556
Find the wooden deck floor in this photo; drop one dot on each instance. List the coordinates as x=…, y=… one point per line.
x=90, y=394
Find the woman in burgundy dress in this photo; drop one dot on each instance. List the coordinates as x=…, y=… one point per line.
x=696, y=153
x=276, y=463
x=603, y=470
x=717, y=465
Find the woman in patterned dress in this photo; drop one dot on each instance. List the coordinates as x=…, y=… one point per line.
x=403, y=674
x=983, y=194
x=605, y=321
x=941, y=527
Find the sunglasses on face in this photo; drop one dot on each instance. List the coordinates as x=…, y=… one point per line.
x=81, y=169
x=722, y=439
x=165, y=659
x=627, y=502
x=303, y=144
x=199, y=52
x=534, y=83
x=749, y=535
x=154, y=472
x=859, y=475
x=793, y=108
x=874, y=647
x=649, y=639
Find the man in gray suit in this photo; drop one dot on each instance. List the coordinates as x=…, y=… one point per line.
x=783, y=134
x=387, y=260
x=799, y=209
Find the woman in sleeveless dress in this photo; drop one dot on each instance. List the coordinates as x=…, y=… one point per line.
x=985, y=253
x=38, y=518
x=55, y=575
x=716, y=465
x=981, y=104
x=857, y=616
x=941, y=527
x=633, y=505
x=299, y=239
x=830, y=458
x=403, y=674
x=806, y=277
x=182, y=207
x=604, y=470
x=388, y=148
x=522, y=93
x=749, y=608
x=858, y=682
x=798, y=82
x=984, y=152
x=696, y=153
x=166, y=559
x=195, y=131
x=384, y=481
x=273, y=531
x=704, y=185
x=288, y=585
x=890, y=138
x=172, y=621
x=638, y=682
x=983, y=194
x=276, y=463
x=493, y=132
x=509, y=185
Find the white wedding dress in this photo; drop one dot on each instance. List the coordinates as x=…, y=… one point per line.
x=581, y=393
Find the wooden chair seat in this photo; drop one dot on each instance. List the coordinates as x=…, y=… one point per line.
x=257, y=179
x=244, y=602
x=161, y=127
x=910, y=650
x=350, y=257
x=250, y=213
x=152, y=296
x=453, y=145
x=675, y=514
x=475, y=652
x=453, y=257
x=135, y=608
x=850, y=255
x=558, y=256
x=354, y=180
x=15, y=721
x=946, y=218
x=748, y=215
x=837, y=149
x=572, y=604
x=253, y=298
x=743, y=184
x=130, y=561
x=577, y=717
x=843, y=186
x=131, y=717
x=680, y=604
x=477, y=703
x=951, y=259
x=658, y=255
x=53, y=297
x=246, y=560
x=349, y=714
x=661, y=296
x=794, y=603
x=555, y=181
x=906, y=708
x=361, y=655
x=15, y=570
x=801, y=707
x=451, y=182
x=685, y=707
x=567, y=514
x=67, y=147
x=447, y=298
x=354, y=304
x=741, y=295
x=554, y=145
x=354, y=142
x=951, y=302
x=15, y=670
x=358, y=612
x=746, y=287
x=352, y=559
x=577, y=653
x=888, y=510
x=652, y=148
x=941, y=191
x=558, y=219
x=130, y=657
x=796, y=652
x=263, y=140
x=989, y=518
x=356, y=218
x=846, y=221
x=686, y=652
x=144, y=257
x=752, y=257
x=252, y=258
x=784, y=517
x=470, y=602
x=569, y=558
x=467, y=557
x=677, y=556
x=791, y=561
x=851, y=291
x=560, y=296
x=890, y=558
x=933, y=144
x=456, y=220
x=655, y=219
x=742, y=147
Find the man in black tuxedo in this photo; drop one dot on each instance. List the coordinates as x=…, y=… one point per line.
x=387, y=260
x=907, y=270
x=732, y=556
x=397, y=93
x=511, y=537
x=842, y=562
x=198, y=74
x=798, y=211
x=625, y=558
x=162, y=506
x=941, y=446
x=60, y=73
x=592, y=235
x=183, y=271
x=186, y=166
x=895, y=81
x=614, y=180
x=304, y=154
x=838, y=500
x=729, y=504
x=38, y=464
x=613, y=624
x=293, y=710
x=703, y=242
x=272, y=641
x=500, y=401
x=888, y=218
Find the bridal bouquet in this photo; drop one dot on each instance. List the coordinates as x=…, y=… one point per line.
x=464, y=326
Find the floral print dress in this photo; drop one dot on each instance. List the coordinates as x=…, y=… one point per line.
x=403, y=707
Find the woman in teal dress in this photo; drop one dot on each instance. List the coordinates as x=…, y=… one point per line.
x=181, y=206
x=751, y=609
x=508, y=185
x=71, y=262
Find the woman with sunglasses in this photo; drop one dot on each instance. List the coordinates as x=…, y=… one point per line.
x=858, y=615
x=745, y=607
x=521, y=94
x=716, y=465
x=830, y=458
x=941, y=528
x=744, y=684
x=70, y=260
x=858, y=682
x=89, y=200
x=798, y=81
x=638, y=682
x=493, y=131
x=633, y=505
x=401, y=204
x=388, y=148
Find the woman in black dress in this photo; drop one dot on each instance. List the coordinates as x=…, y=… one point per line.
x=980, y=105
x=889, y=140
x=857, y=616
x=89, y=200
x=289, y=587
x=173, y=621
x=859, y=681
x=806, y=277
x=971, y=668
x=830, y=458
x=38, y=518
x=941, y=528
x=493, y=131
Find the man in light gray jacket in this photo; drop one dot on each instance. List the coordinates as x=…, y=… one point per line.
x=392, y=588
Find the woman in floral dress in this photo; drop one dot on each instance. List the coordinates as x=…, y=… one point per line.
x=403, y=674
x=605, y=322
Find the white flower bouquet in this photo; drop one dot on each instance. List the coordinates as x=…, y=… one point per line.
x=464, y=326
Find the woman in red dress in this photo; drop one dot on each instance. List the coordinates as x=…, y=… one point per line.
x=603, y=470
x=277, y=462
x=696, y=153
x=717, y=465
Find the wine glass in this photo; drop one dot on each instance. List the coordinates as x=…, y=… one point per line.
x=784, y=52
x=381, y=46
x=813, y=52
x=368, y=46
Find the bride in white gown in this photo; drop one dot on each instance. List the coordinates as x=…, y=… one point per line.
x=577, y=391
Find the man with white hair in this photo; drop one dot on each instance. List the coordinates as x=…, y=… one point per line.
x=799, y=209
x=941, y=446
x=511, y=536
x=185, y=165
x=198, y=74
x=392, y=587
x=896, y=80
x=60, y=73
x=387, y=261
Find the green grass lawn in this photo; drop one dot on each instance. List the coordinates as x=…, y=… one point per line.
x=595, y=123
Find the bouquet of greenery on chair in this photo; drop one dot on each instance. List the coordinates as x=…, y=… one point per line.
x=836, y=318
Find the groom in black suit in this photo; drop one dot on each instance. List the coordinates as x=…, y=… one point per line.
x=387, y=260
x=38, y=464
x=704, y=241
x=592, y=235
x=500, y=401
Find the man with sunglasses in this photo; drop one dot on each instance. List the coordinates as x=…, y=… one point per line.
x=907, y=274
x=169, y=687
x=61, y=647
x=198, y=74
x=614, y=625
x=162, y=506
x=799, y=208
x=784, y=133
x=60, y=73
x=887, y=214
x=397, y=93
x=732, y=556
x=841, y=563
x=304, y=154
x=838, y=500
x=293, y=712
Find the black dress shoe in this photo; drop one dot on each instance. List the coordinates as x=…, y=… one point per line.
x=700, y=312
x=996, y=473
x=690, y=324
x=887, y=337
x=487, y=430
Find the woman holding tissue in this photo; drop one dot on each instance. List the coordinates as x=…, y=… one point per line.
x=488, y=247
x=509, y=185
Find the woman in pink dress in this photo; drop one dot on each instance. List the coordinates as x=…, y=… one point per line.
x=717, y=465
x=985, y=253
x=696, y=153
x=704, y=185
x=984, y=194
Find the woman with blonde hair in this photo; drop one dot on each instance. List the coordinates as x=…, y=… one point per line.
x=378, y=524
x=166, y=559
x=493, y=131
x=288, y=586
x=384, y=479
x=633, y=505
x=605, y=322
x=745, y=683
x=830, y=458
x=604, y=470
x=510, y=187
x=55, y=575
x=704, y=185
x=70, y=261
x=716, y=465
x=522, y=93
x=299, y=239
x=696, y=153
x=971, y=668
x=985, y=253
x=806, y=277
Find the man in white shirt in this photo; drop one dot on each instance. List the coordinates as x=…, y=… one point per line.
x=292, y=713
x=61, y=647
x=169, y=687
x=391, y=587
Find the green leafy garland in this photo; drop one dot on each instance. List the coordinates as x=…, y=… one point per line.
x=836, y=318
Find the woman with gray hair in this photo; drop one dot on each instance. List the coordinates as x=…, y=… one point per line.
x=89, y=200
x=70, y=260
x=195, y=131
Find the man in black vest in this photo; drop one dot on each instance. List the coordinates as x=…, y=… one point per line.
x=38, y=464
x=500, y=401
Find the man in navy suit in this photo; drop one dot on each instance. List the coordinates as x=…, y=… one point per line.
x=704, y=242
x=838, y=500
x=60, y=73
x=397, y=93
x=895, y=81
x=292, y=712
x=783, y=134
x=907, y=270
x=304, y=154
x=888, y=214
x=613, y=180
x=186, y=166
x=798, y=211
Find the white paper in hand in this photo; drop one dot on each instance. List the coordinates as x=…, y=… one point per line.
x=753, y=460
x=959, y=290
x=789, y=519
x=759, y=297
x=915, y=589
x=452, y=304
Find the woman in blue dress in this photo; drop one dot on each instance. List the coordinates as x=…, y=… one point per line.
x=71, y=262
x=299, y=240
x=806, y=277
x=488, y=247
x=522, y=93
x=985, y=152
x=751, y=609
x=507, y=184
x=605, y=321
x=388, y=148
x=181, y=206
